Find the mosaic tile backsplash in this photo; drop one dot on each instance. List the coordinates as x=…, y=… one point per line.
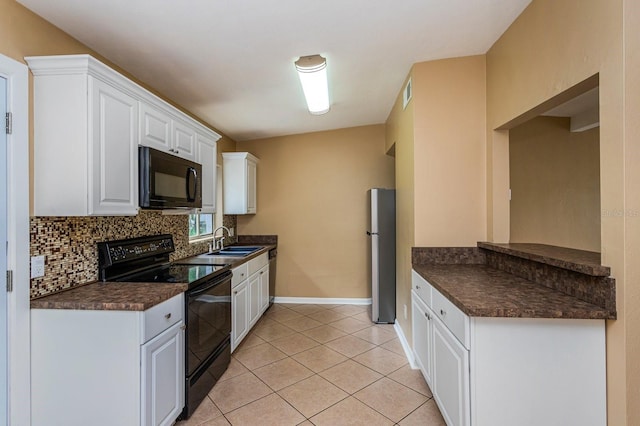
x=69, y=244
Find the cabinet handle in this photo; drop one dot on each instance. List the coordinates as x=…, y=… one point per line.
x=168, y=315
x=443, y=312
x=417, y=287
x=426, y=314
x=261, y=272
x=235, y=292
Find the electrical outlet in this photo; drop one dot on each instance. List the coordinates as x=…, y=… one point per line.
x=405, y=311
x=37, y=266
x=232, y=232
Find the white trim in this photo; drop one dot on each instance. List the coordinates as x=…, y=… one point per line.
x=17, y=76
x=405, y=345
x=324, y=300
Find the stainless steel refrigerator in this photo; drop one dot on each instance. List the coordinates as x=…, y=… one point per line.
x=381, y=232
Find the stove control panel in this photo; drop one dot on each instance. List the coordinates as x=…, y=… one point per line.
x=134, y=249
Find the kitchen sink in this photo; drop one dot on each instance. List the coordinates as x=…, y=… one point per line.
x=235, y=251
x=250, y=249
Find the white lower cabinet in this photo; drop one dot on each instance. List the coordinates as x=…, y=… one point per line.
x=422, y=320
x=250, y=290
x=163, y=383
x=240, y=316
x=105, y=368
x=488, y=371
x=254, y=299
x=450, y=375
x=264, y=288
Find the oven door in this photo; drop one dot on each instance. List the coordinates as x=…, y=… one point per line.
x=208, y=319
x=168, y=181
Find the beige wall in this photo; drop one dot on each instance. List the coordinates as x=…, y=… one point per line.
x=400, y=138
x=440, y=169
x=555, y=184
x=631, y=215
x=312, y=192
x=552, y=46
x=449, y=122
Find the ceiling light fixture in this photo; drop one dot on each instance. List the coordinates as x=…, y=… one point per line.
x=312, y=71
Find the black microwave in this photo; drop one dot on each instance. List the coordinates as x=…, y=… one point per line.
x=167, y=181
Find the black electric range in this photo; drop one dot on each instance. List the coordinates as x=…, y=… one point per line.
x=207, y=309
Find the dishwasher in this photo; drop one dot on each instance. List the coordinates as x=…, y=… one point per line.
x=273, y=254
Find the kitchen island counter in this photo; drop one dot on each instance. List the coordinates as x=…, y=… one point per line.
x=502, y=280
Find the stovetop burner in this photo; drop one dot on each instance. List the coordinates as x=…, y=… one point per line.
x=174, y=273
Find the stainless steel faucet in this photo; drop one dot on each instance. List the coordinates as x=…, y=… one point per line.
x=219, y=243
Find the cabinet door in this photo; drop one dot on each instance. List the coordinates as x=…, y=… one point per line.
x=450, y=375
x=422, y=325
x=254, y=298
x=252, y=172
x=163, y=377
x=113, y=151
x=207, y=156
x=184, y=140
x=155, y=128
x=239, y=314
x=264, y=289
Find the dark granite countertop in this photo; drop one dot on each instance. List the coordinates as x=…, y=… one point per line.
x=482, y=291
x=111, y=296
x=123, y=296
x=584, y=262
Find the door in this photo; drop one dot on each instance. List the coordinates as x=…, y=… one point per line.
x=207, y=157
x=254, y=298
x=450, y=375
x=155, y=128
x=240, y=319
x=163, y=377
x=113, y=175
x=252, y=180
x=264, y=288
x=422, y=326
x=4, y=394
x=372, y=251
x=184, y=140
x=208, y=321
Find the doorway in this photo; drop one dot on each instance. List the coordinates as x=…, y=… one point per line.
x=14, y=250
x=4, y=389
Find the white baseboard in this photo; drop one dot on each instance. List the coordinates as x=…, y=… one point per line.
x=405, y=345
x=324, y=300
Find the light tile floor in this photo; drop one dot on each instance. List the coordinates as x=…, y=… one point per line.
x=319, y=365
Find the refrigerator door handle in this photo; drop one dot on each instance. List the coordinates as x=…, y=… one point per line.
x=375, y=279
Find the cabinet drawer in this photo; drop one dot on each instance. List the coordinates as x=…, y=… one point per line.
x=258, y=263
x=240, y=274
x=421, y=287
x=162, y=316
x=452, y=317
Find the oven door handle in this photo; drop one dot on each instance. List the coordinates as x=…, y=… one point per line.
x=198, y=290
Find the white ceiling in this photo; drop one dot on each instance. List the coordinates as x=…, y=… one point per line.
x=230, y=62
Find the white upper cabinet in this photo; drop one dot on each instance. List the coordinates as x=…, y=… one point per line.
x=155, y=128
x=165, y=132
x=88, y=123
x=240, y=171
x=207, y=156
x=112, y=165
x=184, y=140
